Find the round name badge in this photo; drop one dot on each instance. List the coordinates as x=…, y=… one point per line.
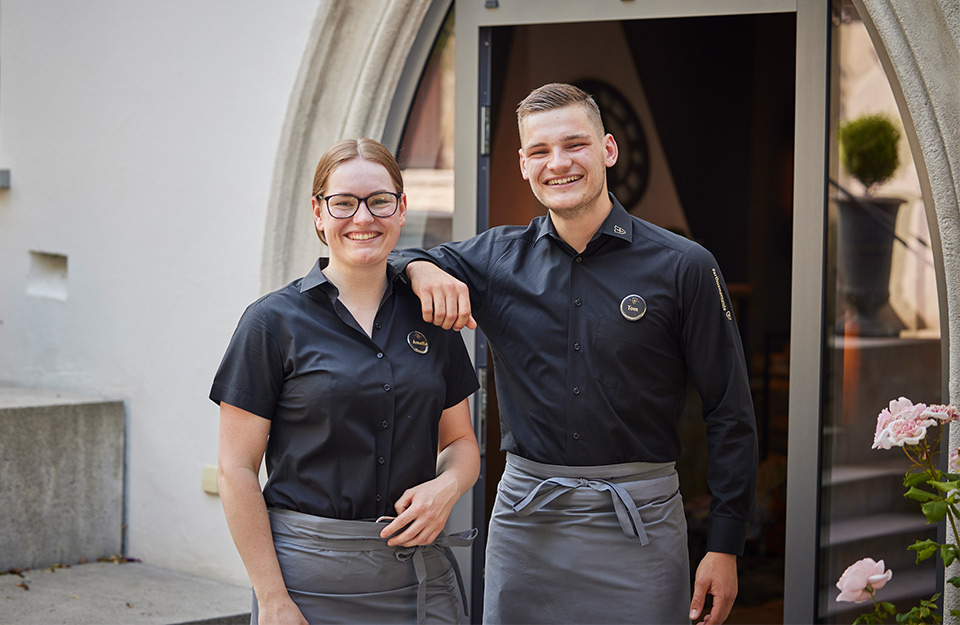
x=632, y=307
x=418, y=342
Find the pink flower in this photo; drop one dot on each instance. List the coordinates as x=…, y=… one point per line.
x=942, y=413
x=861, y=579
x=954, y=466
x=903, y=423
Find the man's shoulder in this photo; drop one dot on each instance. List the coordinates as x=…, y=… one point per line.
x=650, y=234
x=508, y=232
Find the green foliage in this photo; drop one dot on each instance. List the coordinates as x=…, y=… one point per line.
x=926, y=612
x=920, y=495
x=924, y=549
x=868, y=149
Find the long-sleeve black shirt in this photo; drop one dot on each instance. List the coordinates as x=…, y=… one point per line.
x=580, y=383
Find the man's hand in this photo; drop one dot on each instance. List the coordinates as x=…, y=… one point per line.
x=444, y=300
x=716, y=576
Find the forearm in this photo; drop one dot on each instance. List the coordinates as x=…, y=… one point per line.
x=246, y=514
x=460, y=461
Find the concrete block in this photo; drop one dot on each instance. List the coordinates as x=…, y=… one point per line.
x=61, y=478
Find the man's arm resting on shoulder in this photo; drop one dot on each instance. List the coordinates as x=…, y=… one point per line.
x=444, y=300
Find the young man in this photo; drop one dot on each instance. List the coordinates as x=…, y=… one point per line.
x=596, y=320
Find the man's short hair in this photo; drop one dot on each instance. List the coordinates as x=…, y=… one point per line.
x=557, y=95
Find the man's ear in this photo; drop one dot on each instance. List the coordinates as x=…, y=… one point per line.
x=523, y=165
x=610, y=150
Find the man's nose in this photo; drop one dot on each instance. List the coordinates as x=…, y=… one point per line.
x=558, y=159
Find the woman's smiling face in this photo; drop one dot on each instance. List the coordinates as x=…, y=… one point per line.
x=362, y=239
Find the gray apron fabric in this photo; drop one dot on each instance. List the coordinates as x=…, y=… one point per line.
x=602, y=544
x=343, y=572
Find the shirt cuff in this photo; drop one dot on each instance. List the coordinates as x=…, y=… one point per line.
x=726, y=535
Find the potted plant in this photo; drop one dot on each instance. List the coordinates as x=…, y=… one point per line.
x=869, y=152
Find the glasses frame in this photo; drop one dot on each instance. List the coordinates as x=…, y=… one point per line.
x=362, y=200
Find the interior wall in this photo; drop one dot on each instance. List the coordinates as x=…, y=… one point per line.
x=536, y=55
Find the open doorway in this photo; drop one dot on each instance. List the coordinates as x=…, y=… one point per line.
x=703, y=111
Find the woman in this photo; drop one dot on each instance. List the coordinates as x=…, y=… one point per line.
x=360, y=407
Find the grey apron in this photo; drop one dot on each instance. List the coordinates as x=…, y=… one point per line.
x=343, y=572
x=600, y=544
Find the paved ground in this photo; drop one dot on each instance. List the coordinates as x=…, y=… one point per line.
x=105, y=593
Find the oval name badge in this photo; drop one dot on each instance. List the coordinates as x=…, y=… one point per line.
x=418, y=342
x=632, y=307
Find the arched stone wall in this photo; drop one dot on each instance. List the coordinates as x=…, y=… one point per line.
x=919, y=45
x=344, y=88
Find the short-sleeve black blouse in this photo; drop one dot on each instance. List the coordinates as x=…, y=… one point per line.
x=354, y=418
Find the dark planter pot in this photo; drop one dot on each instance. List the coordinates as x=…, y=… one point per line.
x=866, y=249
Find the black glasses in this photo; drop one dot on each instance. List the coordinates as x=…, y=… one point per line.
x=346, y=205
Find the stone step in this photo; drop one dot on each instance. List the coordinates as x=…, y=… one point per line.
x=106, y=593
x=61, y=477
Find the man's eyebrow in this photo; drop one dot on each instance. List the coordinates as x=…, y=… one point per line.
x=574, y=137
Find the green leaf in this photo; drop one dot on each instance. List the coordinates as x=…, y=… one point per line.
x=949, y=553
x=920, y=495
x=889, y=607
x=915, y=479
x=924, y=549
x=955, y=581
x=944, y=486
x=934, y=511
x=955, y=613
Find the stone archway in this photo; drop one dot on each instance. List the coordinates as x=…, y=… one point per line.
x=344, y=88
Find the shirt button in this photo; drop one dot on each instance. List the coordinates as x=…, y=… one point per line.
x=377, y=325
x=576, y=346
x=576, y=437
x=378, y=496
x=577, y=301
x=384, y=424
x=380, y=460
x=386, y=387
x=576, y=390
x=579, y=259
x=379, y=354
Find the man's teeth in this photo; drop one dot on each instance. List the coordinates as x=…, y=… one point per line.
x=563, y=180
x=365, y=236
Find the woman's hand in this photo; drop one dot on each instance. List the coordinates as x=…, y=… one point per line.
x=422, y=512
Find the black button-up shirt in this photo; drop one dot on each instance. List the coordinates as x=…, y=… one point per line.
x=354, y=418
x=578, y=383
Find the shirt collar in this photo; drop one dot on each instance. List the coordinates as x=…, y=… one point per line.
x=617, y=224
x=316, y=277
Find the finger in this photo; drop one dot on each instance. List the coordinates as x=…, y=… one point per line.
x=426, y=309
x=720, y=610
x=463, y=310
x=439, y=309
x=406, y=538
x=450, y=305
x=472, y=323
x=396, y=524
x=696, y=605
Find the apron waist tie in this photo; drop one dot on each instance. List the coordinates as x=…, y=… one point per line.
x=444, y=542
x=553, y=487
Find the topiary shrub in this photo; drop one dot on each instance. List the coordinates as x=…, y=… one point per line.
x=868, y=150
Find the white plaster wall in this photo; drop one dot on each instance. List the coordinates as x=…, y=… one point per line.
x=142, y=138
